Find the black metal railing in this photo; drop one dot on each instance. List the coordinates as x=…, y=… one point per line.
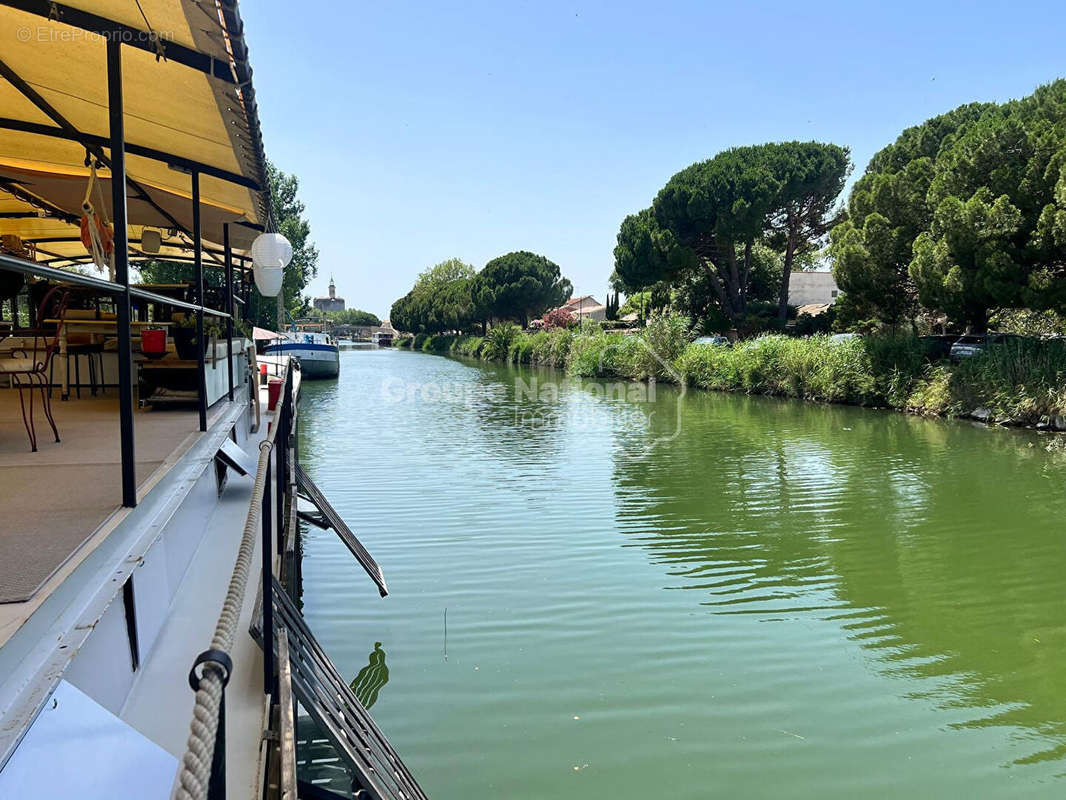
x=275, y=499
x=295, y=667
x=273, y=480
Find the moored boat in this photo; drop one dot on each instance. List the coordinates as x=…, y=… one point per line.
x=319, y=353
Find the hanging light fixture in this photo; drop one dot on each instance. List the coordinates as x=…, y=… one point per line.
x=151, y=241
x=271, y=253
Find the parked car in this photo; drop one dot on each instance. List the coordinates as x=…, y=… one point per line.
x=973, y=344
x=714, y=341
x=938, y=346
x=837, y=338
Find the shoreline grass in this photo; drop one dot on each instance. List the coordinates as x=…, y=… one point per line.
x=1016, y=383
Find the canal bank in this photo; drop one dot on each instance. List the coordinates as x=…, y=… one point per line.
x=1021, y=383
x=784, y=600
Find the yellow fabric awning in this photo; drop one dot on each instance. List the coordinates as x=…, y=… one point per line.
x=186, y=102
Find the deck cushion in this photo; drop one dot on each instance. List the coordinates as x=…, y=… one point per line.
x=16, y=365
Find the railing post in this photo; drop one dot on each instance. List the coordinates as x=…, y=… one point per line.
x=122, y=274
x=268, y=595
x=228, y=257
x=219, y=662
x=198, y=259
x=290, y=455
x=281, y=455
x=294, y=435
x=246, y=286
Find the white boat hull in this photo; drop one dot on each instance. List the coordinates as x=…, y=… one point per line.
x=316, y=360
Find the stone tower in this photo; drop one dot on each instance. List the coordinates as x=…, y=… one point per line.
x=332, y=302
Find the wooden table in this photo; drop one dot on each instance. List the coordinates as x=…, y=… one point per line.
x=96, y=327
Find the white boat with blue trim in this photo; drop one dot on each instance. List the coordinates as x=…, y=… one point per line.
x=318, y=353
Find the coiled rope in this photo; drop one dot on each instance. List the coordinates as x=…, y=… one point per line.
x=196, y=763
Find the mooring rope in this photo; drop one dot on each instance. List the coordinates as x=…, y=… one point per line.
x=195, y=771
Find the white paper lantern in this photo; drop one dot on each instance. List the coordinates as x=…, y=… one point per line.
x=271, y=253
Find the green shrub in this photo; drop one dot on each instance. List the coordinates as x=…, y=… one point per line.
x=551, y=348
x=419, y=340
x=814, y=368
x=438, y=343
x=933, y=394
x=664, y=339
x=591, y=355
x=1019, y=380
x=498, y=340
x=710, y=367
x=760, y=317
x=469, y=346
x=845, y=375
x=521, y=349
x=810, y=324
x=897, y=362
x=403, y=342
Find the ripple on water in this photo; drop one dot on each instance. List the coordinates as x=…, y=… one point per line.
x=785, y=600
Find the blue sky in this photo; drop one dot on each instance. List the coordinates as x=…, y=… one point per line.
x=422, y=131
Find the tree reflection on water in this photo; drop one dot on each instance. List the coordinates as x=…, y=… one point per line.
x=935, y=545
x=371, y=678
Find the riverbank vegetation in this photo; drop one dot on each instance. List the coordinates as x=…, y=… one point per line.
x=1020, y=382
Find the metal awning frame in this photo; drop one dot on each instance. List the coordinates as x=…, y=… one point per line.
x=140, y=255
x=237, y=73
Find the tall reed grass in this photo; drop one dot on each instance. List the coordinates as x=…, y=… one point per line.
x=1019, y=382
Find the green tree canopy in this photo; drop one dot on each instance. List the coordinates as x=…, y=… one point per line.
x=702, y=230
x=518, y=286
x=353, y=316
x=715, y=211
x=964, y=214
x=435, y=278
x=439, y=301
x=402, y=314
x=887, y=210
x=811, y=176
x=642, y=254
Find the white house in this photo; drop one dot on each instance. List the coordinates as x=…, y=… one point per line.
x=587, y=307
x=812, y=288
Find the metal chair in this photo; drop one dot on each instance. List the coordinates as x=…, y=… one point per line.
x=85, y=304
x=94, y=356
x=30, y=370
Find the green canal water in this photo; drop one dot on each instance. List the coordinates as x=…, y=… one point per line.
x=687, y=596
